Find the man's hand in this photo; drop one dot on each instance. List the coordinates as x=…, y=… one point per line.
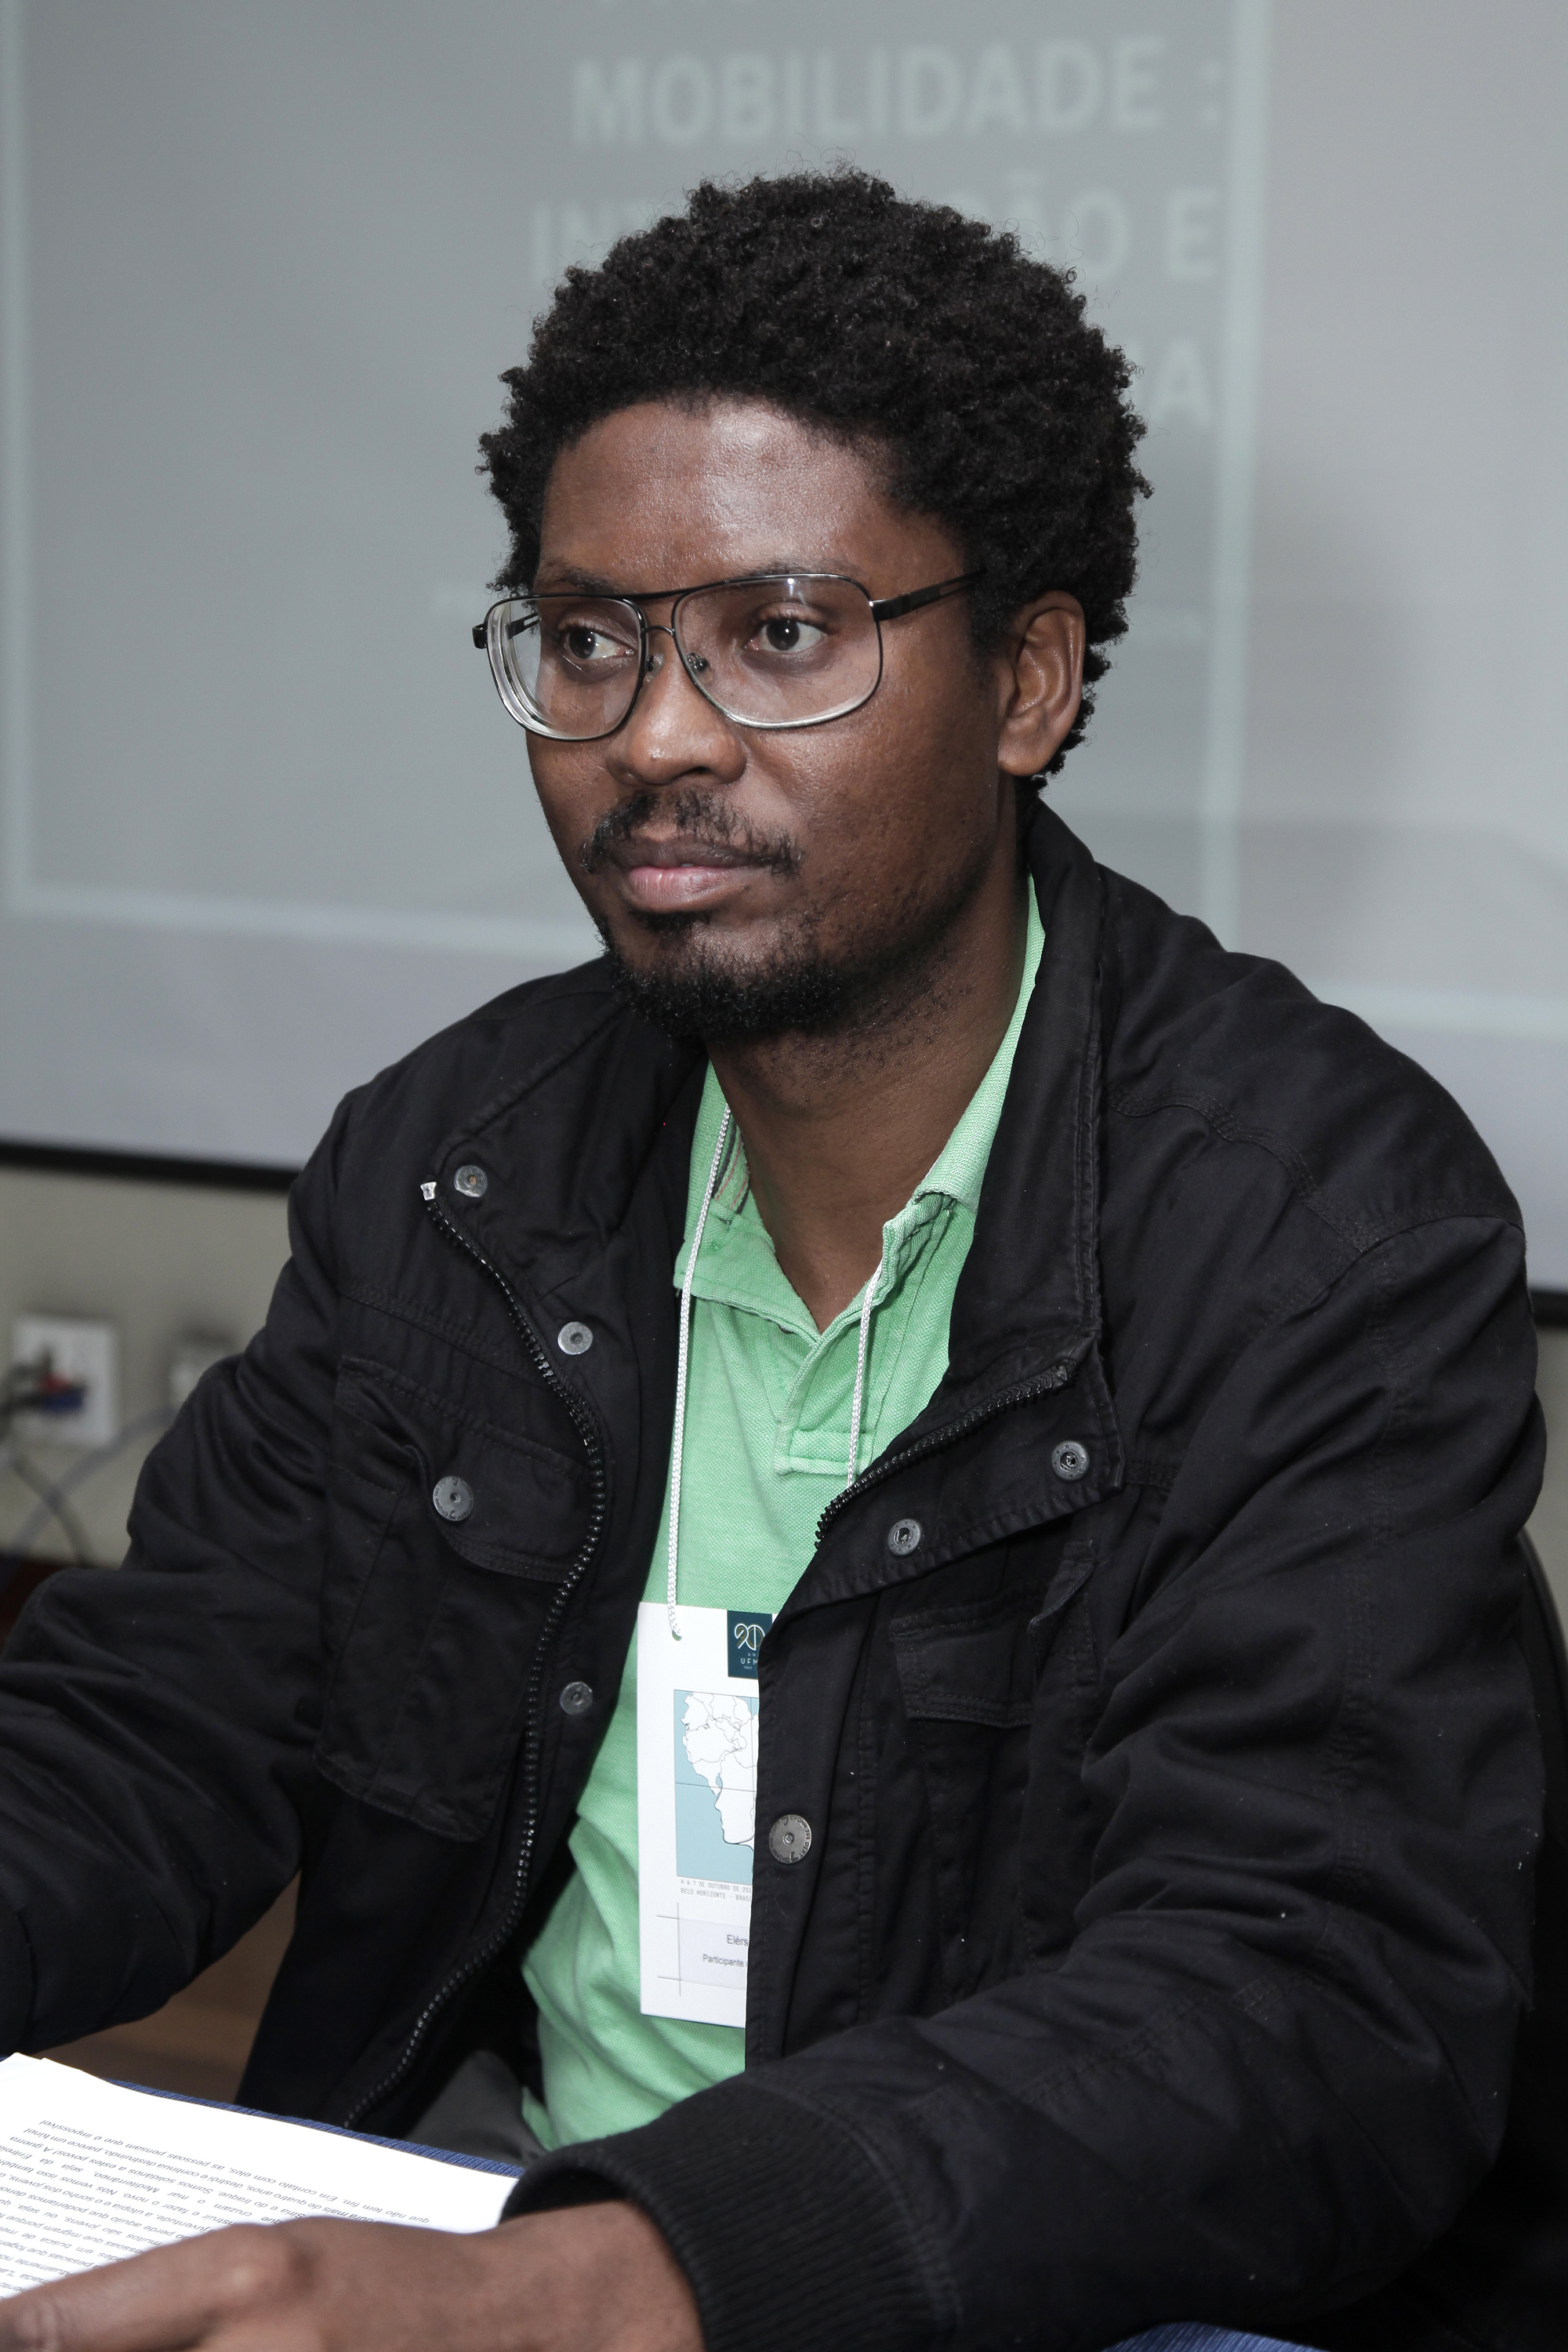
x=596, y=2278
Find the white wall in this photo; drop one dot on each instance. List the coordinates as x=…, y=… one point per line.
x=261, y=268
x=1405, y=822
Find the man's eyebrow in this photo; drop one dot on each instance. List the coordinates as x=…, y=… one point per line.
x=555, y=579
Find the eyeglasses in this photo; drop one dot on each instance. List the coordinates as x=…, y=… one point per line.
x=779, y=649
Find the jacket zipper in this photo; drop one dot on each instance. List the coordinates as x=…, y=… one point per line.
x=588, y=1431
x=1057, y=1377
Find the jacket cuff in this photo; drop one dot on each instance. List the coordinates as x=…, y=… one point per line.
x=786, y=2230
x=16, y=1982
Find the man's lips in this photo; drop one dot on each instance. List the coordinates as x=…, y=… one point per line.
x=671, y=875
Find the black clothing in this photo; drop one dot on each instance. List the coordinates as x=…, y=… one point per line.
x=1167, y=1917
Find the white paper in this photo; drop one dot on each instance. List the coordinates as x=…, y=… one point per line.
x=91, y=2172
x=697, y=1798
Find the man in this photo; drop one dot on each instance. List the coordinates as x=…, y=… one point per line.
x=1088, y=1378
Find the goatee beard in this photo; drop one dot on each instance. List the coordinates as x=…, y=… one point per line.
x=698, y=1002
x=691, y=992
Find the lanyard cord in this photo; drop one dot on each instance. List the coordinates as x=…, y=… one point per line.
x=680, y=1432
x=683, y=1357
x=860, y=1375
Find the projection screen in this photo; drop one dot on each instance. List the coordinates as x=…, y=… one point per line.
x=266, y=824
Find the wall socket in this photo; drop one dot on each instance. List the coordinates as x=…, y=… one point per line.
x=83, y=1353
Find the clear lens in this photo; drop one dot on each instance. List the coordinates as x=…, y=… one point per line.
x=785, y=652
x=566, y=665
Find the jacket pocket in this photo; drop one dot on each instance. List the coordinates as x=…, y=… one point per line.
x=525, y=1509
x=966, y=1664
x=431, y=1623
x=1073, y=1571
x=966, y=1675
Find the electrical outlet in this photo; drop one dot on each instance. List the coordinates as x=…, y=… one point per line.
x=70, y=1349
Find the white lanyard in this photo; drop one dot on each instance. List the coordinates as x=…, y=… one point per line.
x=675, y=1446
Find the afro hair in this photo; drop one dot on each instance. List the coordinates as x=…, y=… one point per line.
x=999, y=409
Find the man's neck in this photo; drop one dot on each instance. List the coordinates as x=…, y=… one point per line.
x=840, y=1129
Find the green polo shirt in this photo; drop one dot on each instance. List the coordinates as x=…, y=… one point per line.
x=766, y=1449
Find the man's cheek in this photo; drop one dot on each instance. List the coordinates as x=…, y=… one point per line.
x=563, y=796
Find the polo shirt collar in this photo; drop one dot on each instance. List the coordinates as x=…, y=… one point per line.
x=959, y=1169
x=737, y=1266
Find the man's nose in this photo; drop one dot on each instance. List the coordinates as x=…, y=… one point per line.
x=673, y=729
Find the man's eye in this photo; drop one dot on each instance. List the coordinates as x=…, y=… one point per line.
x=789, y=632
x=582, y=643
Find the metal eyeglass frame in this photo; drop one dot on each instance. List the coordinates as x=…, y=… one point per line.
x=489, y=635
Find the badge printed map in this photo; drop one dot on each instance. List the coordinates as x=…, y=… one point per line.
x=697, y=1797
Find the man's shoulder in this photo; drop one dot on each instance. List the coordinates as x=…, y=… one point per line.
x=492, y=1050
x=505, y=1042
x=1239, y=1053
x=560, y=1047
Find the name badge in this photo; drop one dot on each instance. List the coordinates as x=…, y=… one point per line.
x=697, y=1803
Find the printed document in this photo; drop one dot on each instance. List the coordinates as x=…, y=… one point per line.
x=91, y=2172
x=697, y=1803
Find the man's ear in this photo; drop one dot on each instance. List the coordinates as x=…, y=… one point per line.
x=1040, y=682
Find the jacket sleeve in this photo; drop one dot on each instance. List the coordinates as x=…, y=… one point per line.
x=1274, y=2060
x=152, y=1758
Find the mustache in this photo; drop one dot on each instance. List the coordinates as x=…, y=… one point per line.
x=703, y=820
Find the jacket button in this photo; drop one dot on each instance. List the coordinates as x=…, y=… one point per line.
x=903, y=1537
x=574, y=1338
x=1070, y=1460
x=789, y=1840
x=576, y=1698
x=453, y=1497
x=471, y=1181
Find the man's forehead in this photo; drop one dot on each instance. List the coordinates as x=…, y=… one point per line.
x=685, y=492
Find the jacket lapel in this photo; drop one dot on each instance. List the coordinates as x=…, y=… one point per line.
x=1025, y=1377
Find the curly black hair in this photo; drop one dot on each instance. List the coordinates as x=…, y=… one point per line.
x=1001, y=411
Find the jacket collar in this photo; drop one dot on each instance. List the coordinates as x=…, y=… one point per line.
x=1029, y=1293
x=1025, y=1367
